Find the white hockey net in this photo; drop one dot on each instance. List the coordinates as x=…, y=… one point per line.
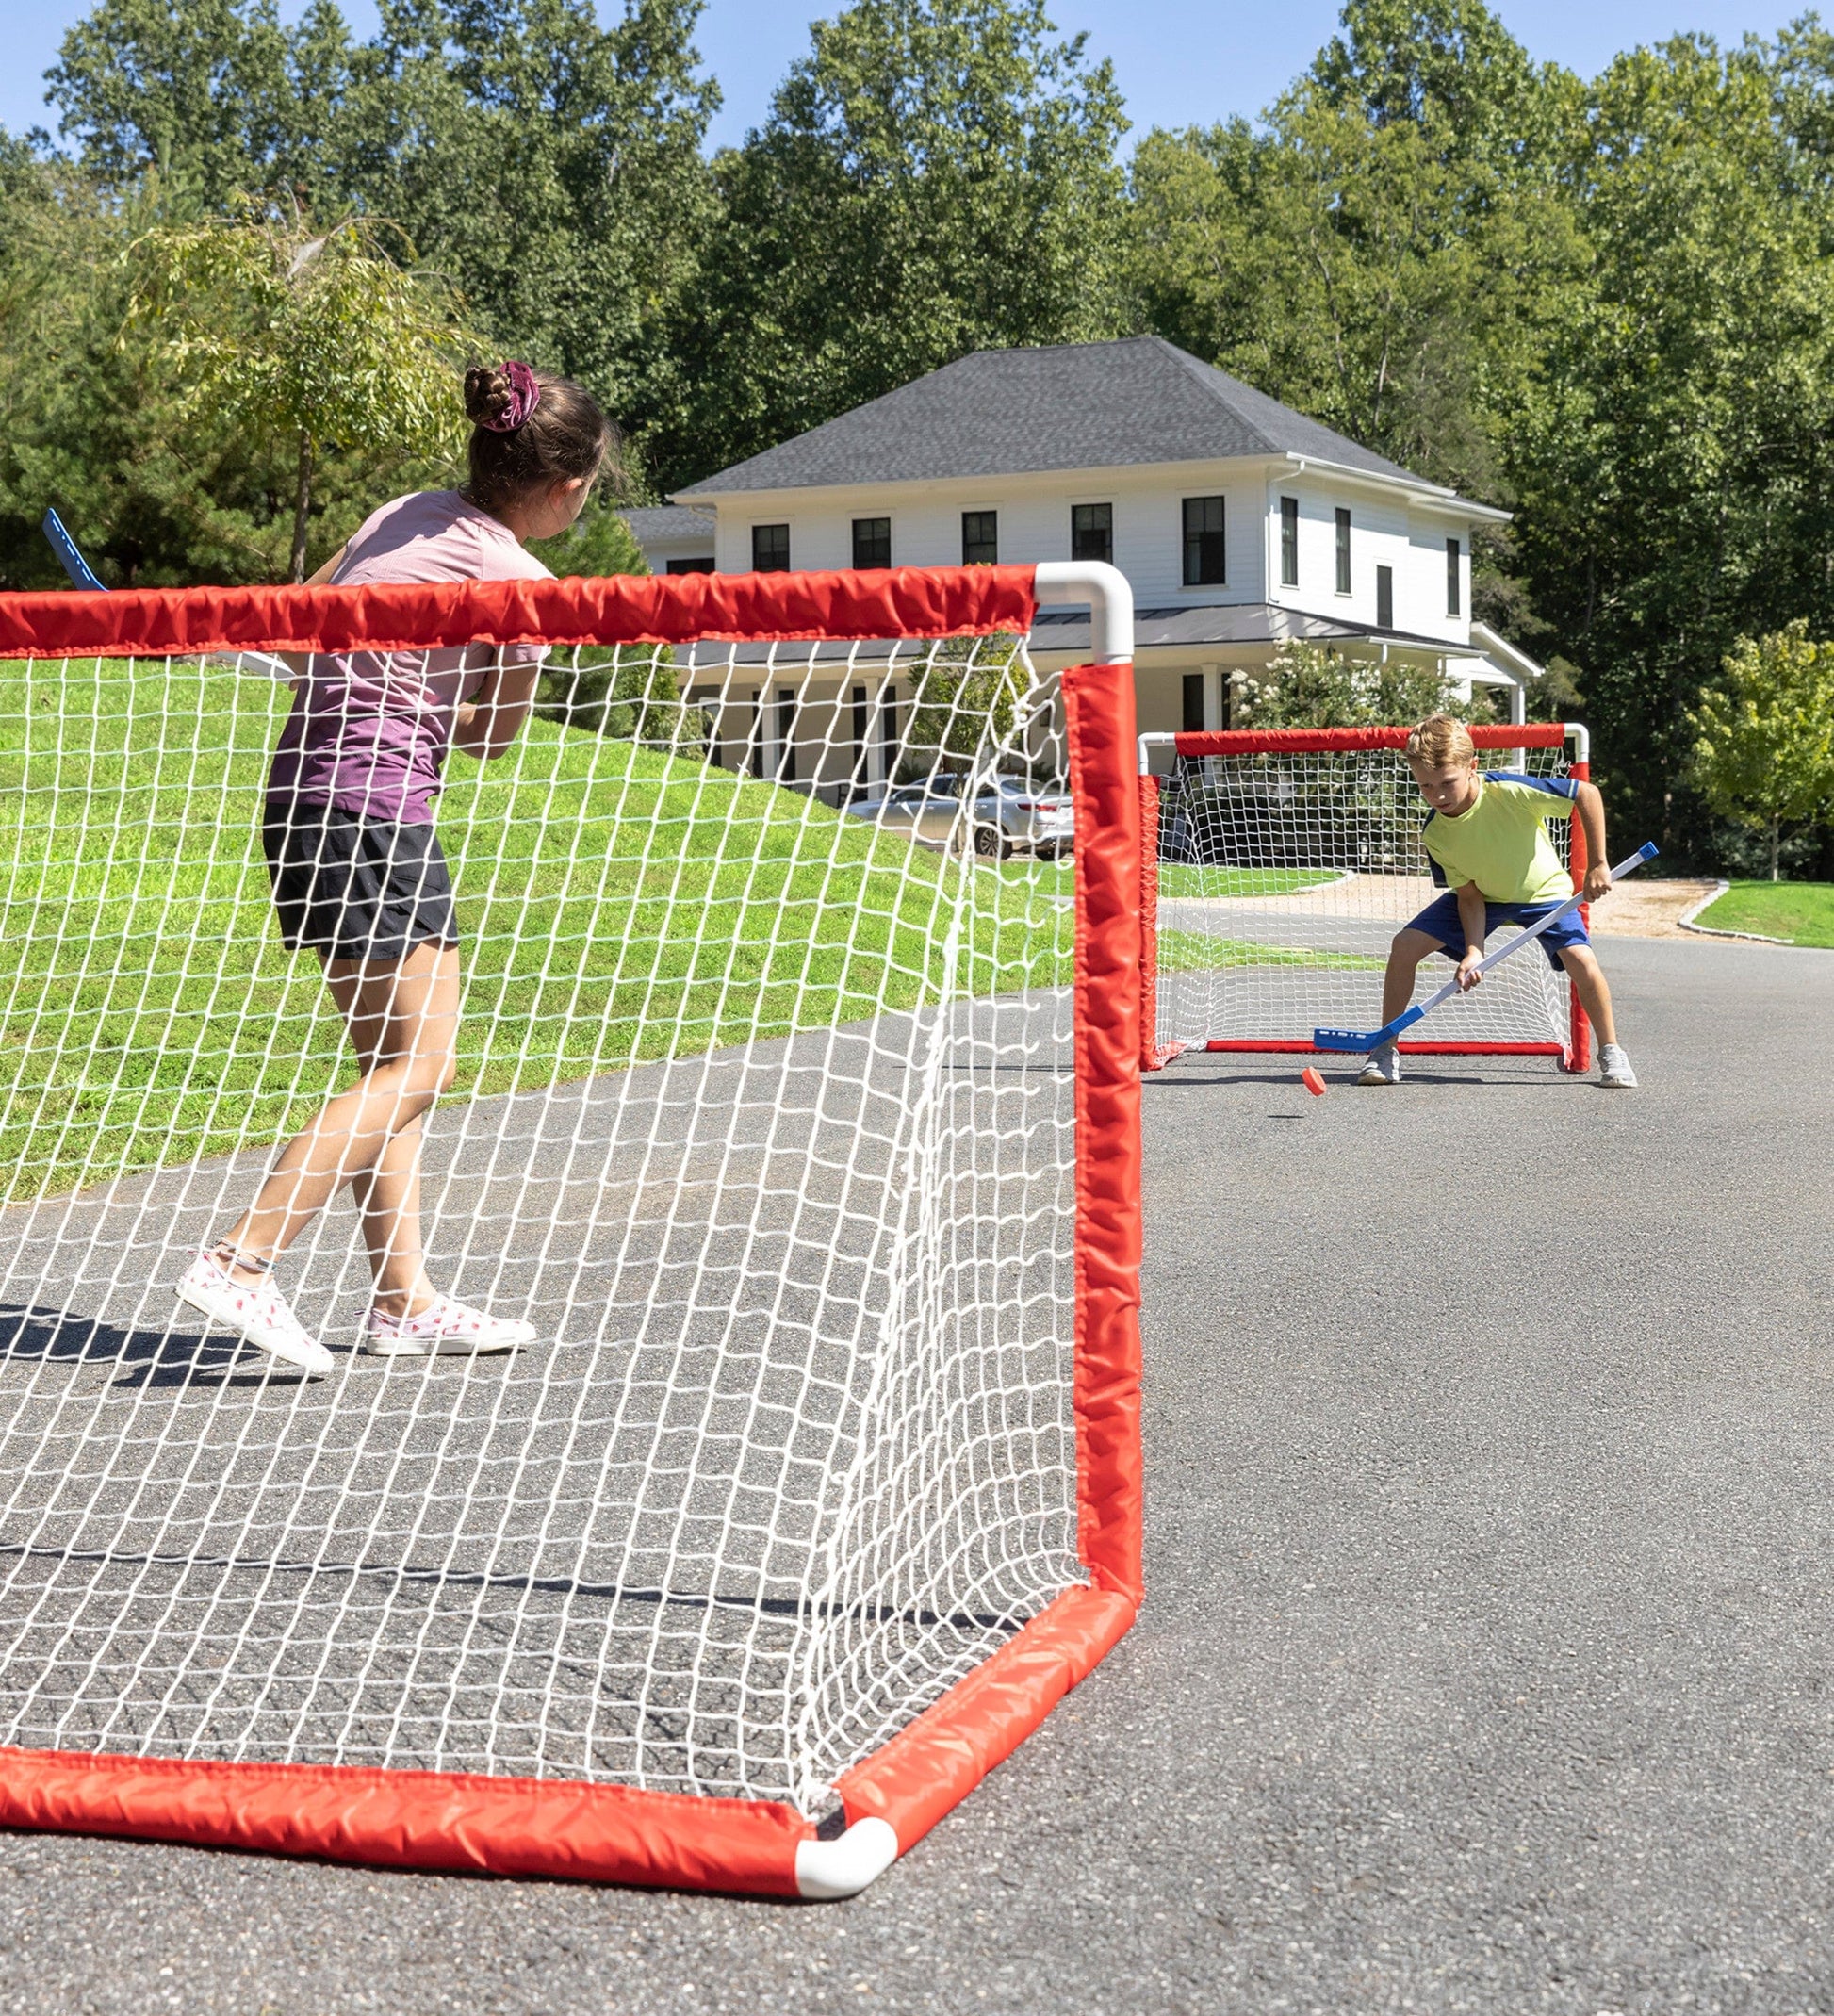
x=1282, y=876
x=764, y=1117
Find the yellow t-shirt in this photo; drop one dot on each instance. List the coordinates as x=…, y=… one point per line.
x=1501, y=844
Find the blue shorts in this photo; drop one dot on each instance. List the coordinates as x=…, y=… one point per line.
x=1440, y=920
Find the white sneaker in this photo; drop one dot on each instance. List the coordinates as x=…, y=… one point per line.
x=1384, y=1068
x=444, y=1329
x=1615, y=1067
x=258, y=1312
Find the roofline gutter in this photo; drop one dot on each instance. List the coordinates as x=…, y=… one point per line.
x=1431, y=496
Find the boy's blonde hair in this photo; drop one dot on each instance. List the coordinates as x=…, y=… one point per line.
x=1441, y=744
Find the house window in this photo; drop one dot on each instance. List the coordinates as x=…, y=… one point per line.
x=1385, y=597
x=1205, y=565
x=786, y=736
x=1453, y=557
x=1343, y=552
x=1091, y=532
x=1193, y=718
x=1289, y=542
x=857, y=781
x=753, y=764
x=699, y=565
x=770, y=548
x=888, y=734
x=980, y=539
x=872, y=542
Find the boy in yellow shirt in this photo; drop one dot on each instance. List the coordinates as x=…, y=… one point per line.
x=1487, y=839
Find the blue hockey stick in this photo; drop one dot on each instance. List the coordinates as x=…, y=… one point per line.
x=1375, y=1039
x=81, y=574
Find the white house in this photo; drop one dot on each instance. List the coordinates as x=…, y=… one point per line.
x=1239, y=523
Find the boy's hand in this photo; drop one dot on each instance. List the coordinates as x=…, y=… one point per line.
x=1468, y=974
x=1597, y=882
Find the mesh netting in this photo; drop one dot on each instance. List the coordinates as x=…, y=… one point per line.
x=762, y=1116
x=1283, y=875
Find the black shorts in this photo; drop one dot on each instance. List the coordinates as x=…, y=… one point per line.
x=356, y=889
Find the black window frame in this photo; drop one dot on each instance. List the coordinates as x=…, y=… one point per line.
x=1454, y=577
x=1206, y=555
x=1091, y=533
x=872, y=547
x=701, y=563
x=762, y=536
x=787, y=710
x=1289, y=542
x=980, y=548
x=1385, y=597
x=1344, y=575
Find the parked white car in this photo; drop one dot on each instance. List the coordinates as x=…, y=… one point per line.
x=1020, y=816
x=1011, y=816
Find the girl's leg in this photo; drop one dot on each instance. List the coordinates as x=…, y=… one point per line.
x=388, y=1196
x=1589, y=983
x=402, y=1017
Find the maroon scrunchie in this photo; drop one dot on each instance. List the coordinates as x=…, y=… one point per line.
x=525, y=396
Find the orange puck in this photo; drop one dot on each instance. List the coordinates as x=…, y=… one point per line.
x=1313, y=1081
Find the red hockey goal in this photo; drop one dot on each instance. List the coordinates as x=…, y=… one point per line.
x=809, y=1145
x=1278, y=865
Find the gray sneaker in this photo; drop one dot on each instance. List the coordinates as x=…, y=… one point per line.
x=1615, y=1068
x=1384, y=1068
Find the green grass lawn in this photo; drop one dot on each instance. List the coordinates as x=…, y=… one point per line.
x=1801, y=911
x=616, y=904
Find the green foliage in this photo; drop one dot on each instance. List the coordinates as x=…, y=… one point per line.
x=969, y=688
x=1312, y=686
x=1763, y=750
x=312, y=339
x=936, y=177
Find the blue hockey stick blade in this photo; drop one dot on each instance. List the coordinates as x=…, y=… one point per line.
x=66, y=549
x=1346, y=1039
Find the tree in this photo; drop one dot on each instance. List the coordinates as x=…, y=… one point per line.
x=218, y=93
x=936, y=177
x=305, y=338
x=1313, y=686
x=1674, y=460
x=1763, y=750
x=1389, y=255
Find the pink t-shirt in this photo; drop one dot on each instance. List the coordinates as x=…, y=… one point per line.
x=369, y=729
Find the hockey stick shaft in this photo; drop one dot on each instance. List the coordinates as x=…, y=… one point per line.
x=1374, y=1039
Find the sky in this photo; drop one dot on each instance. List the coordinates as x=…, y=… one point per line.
x=1179, y=62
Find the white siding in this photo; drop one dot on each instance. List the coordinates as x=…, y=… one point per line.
x=1034, y=514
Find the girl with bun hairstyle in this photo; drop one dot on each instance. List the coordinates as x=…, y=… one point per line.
x=359, y=878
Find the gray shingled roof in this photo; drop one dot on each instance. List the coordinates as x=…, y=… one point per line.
x=667, y=522
x=1015, y=412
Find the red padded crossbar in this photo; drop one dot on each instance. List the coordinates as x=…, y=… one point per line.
x=1316, y=741
x=622, y=609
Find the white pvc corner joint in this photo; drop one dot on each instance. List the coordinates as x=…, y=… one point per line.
x=1580, y=737
x=1110, y=599
x=827, y=1870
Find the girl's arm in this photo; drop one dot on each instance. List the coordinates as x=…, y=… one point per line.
x=298, y=663
x=1473, y=915
x=488, y=722
x=1589, y=807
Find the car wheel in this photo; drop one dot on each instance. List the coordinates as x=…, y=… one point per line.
x=988, y=841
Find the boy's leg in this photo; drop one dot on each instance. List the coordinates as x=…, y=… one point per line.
x=1590, y=984
x=1383, y=1067
x=1404, y=955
